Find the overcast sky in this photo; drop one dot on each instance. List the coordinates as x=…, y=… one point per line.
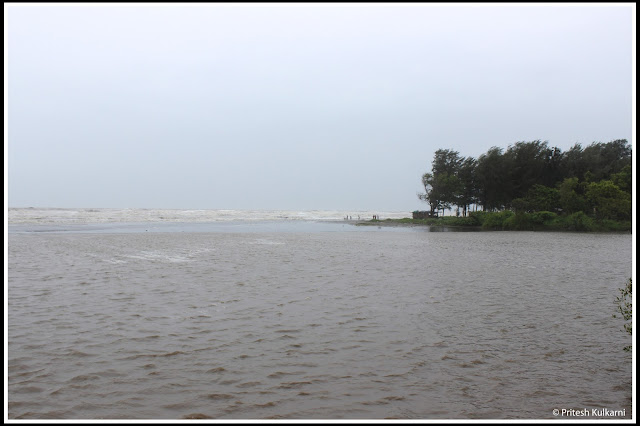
x=296, y=107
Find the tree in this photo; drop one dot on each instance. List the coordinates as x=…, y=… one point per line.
x=623, y=179
x=450, y=187
x=597, y=161
x=531, y=176
x=442, y=186
x=572, y=163
x=553, y=171
x=468, y=188
x=430, y=194
x=571, y=197
x=528, y=163
x=446, y=161
x=539, y=198
x=609, y=201
x=493, y=185
x=605, y=159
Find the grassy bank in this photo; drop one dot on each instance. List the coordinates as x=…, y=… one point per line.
x=510, y=221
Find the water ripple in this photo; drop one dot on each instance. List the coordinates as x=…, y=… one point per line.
x=333, y=325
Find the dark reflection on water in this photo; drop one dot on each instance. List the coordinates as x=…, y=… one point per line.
x=285, y=323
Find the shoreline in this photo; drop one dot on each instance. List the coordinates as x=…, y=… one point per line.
x=411, y=223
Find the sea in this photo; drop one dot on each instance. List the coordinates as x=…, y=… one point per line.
x=151, y=314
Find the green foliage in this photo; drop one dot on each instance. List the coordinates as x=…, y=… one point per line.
x=455, y=221
x=625, y=307
x=542, y=218
x=529, y=221
x=570, y=200
x=436, y=221
x=518, y=222
x=493, y=186
x=496, y=220
x=431, y=194
x=443, y=186
x=531, y=177
x=478, y=217
x=579, y=221
x=468, y=193
x=605, y=159
x=539, y=198
x=609, y=201
x=528, y=165
x=597, y=161
x=536, y=221
x=623, y=179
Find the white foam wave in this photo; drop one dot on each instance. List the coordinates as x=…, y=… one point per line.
x=88, y=216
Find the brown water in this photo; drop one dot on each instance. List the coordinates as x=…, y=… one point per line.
x=315, y=325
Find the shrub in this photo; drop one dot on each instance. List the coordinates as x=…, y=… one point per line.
x=457, y=221
x=496, y=220
x=542, y=218
x=625, y=307
x=579, y=221
x=518, y=222
x=477, y=218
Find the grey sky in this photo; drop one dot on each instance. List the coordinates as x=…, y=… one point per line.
x=296, y=107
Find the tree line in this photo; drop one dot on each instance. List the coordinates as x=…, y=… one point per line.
x=531, y=177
